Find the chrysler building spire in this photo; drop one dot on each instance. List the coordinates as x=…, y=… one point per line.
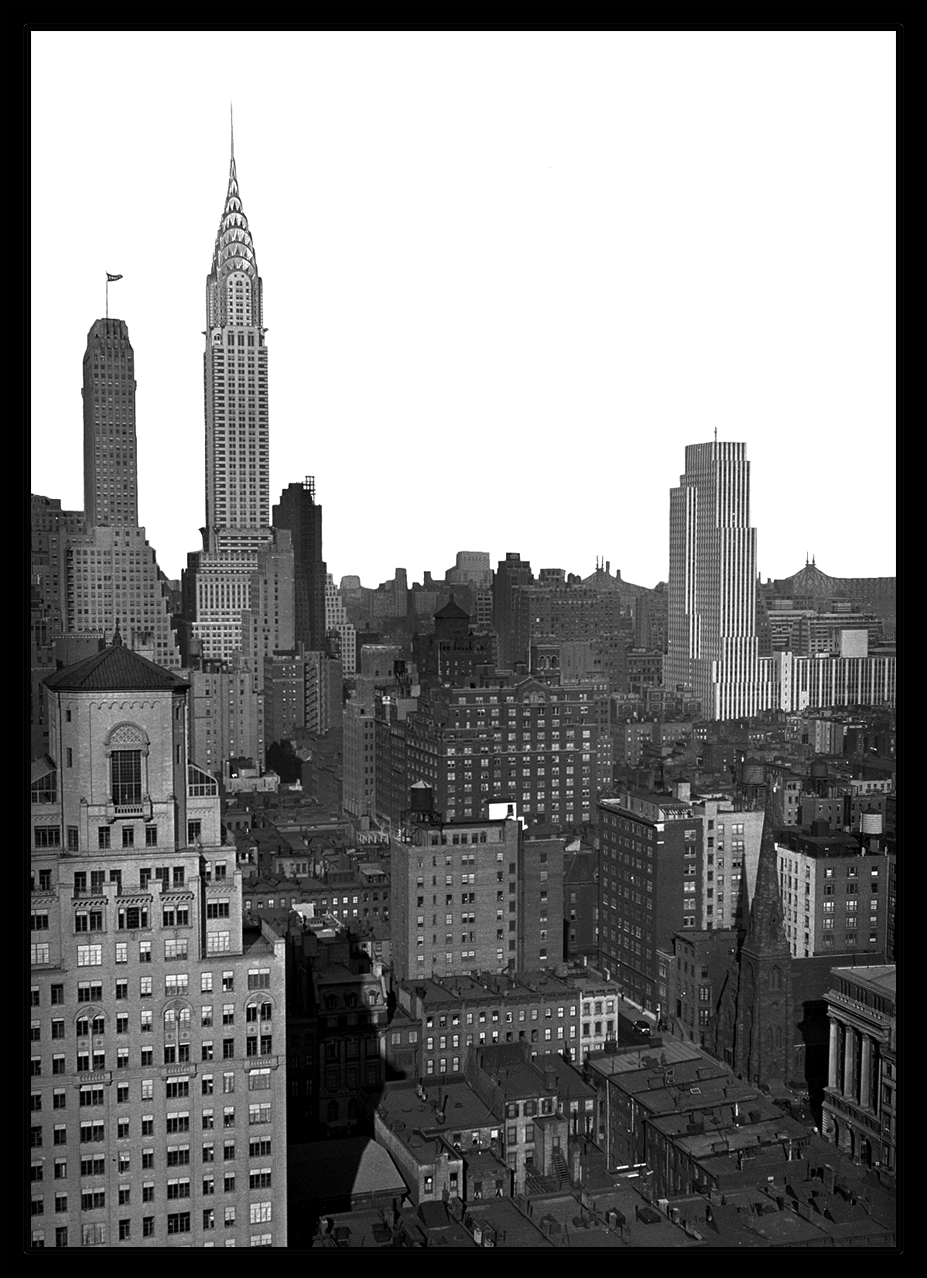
x=235, y=367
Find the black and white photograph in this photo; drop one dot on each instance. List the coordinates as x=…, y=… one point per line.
x=463, y=674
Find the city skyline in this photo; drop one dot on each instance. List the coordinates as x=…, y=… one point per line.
x=532, y=239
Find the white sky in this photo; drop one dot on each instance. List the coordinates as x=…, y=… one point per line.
x=507, y=278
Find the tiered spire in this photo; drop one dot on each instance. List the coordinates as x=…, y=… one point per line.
x=234, y=248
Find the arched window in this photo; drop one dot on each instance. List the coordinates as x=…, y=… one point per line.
x=259, y=1009
x=775, y=979
x=127, y=747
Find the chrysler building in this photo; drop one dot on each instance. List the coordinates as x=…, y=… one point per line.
x=238, y=590
x=235, y=377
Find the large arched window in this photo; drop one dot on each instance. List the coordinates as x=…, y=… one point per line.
x=127, y=747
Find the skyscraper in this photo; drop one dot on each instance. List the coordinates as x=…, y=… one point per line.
x=235, y=377
x=712, y=641
x=110, y=466
x=299, y=512
x=228, y=583
x=113, y=580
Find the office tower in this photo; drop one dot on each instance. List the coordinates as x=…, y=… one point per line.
x=113, y=580
x=158, y=1070
x=512, y=571
x=110, y=461
x=650, y=882
x=299, y=512
x=712, y=585
x=235, y=376
x=235, y=572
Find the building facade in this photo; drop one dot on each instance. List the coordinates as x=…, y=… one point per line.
x=860, y=1102
x=158, y=1073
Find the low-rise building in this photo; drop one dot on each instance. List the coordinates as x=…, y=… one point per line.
x=860, y=1102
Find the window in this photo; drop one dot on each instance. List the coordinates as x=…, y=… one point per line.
x=89, y=955
x=126, y=777
x=178, y=1222
x=261, y=1212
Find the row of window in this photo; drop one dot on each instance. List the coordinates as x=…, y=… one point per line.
x=93, y=1132
x=95, y=1235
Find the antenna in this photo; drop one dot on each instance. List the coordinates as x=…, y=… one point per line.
x=232, y=124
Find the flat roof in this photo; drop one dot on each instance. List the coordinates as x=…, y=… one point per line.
x=462, y=1108
x=879, y=977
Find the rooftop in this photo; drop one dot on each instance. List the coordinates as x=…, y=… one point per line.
x=879, y=977
x=448, y=1107
x=115, y=669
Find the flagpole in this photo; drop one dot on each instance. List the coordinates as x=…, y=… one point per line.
x=107, y=295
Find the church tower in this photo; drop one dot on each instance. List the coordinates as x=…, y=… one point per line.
x=753, y=1030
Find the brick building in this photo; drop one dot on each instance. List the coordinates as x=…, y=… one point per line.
x=650, y=885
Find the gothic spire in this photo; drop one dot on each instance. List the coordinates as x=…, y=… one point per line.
x=766, y=930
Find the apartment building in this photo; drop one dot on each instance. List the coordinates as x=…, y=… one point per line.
x=454, y=898
x=835, y=892
x=158, y=1075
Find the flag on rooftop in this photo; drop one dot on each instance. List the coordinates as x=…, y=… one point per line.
x=110, y=278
